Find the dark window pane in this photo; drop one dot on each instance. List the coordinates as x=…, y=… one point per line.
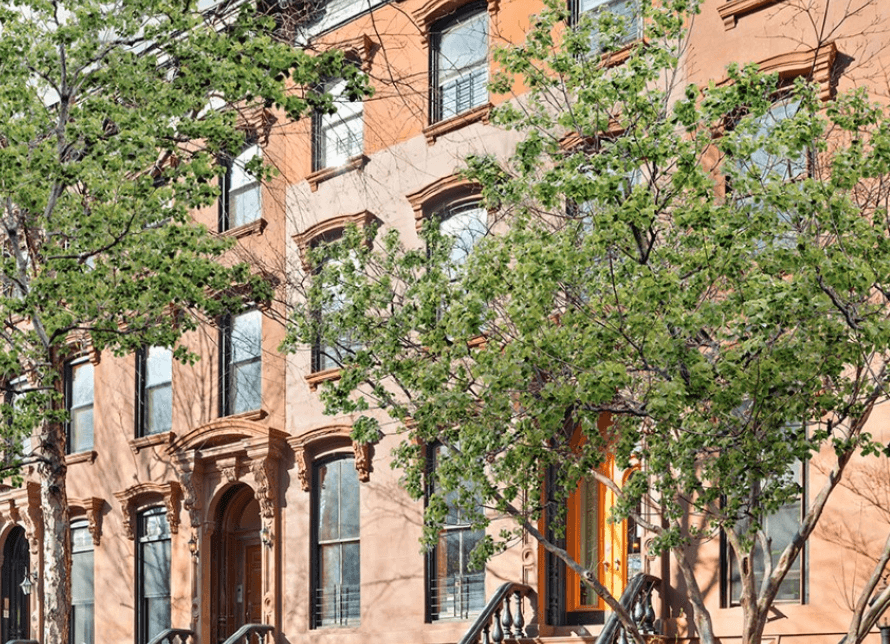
x=159, y=409
x=247, y=379
x=329, y=501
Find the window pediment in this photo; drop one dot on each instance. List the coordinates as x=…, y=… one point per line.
x=170, y=493
x=434, y=10
x=323, y=441
x=91, y=508
x=449, y=190
x=222, y=432
x=305, y=239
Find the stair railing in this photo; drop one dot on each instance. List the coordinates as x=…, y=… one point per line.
x=172, y=635
x=636, y=600
x=497, y=622
x=22, y=642
x=246, y=634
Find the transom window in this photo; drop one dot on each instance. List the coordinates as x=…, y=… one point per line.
x=337, y=557
x=240, y=203
x=242, y=366
x=154, y=373
x=79, y=399
x=459, y=62
x=340, y=136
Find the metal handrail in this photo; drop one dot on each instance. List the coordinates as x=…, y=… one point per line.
x=247, y=630
x=22, y=642
x=168, y=634
x=497, y=602
x=636, y=600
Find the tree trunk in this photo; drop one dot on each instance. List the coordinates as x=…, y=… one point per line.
x=56, y=580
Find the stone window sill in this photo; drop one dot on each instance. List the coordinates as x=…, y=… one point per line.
x=152, y=440
x=253, y=414
x=319, y=377
x=255, y=227
x=320, y=176
x=734, y=9
x=81, y=457
x=434, y=131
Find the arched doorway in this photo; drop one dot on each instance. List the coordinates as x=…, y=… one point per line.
x=236, y=563
x=16, y=614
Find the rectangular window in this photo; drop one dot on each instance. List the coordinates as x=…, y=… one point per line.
x=337, y=578
x=240, y=202
x=627, y=10
x=79, y=403
x=153, y=574
x=338, y=137
x=82, y=601
x=154, y=390
x=465, y=225
x=242, y=366
x=455, y=591
x=459, y=62
x=330, y=350
x=780, y=528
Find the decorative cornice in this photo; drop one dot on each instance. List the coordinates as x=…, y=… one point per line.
x=255, y=227
x=734, y=9
x=81, y=457
x=313, y=443
x=316, y=378
x=170, y=492
x=227, y=430
x=442, y=190
x=361, y=49
x=92, y=509
x=433, y=10
x=304, y=240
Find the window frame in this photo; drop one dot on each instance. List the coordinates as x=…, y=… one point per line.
x=729, y=565
x=142, y=624
x=341, y=618
x=322, y=361
x=144, y=391
x=71, y=367
x=321, y=160
x=226, y=213
x=633, y=35
x=228, y=394
x=82, y=527
x=474, y=602
x=437, y=30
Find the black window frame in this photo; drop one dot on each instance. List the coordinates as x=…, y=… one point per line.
x=70, y=368
x=143, y=390
x=320, y=157
x=224, y=216
x=467, y=603
x=82, y=527
x=575, y=14
x=227, y=383
x=347, y=607
x=142, y=624
x=728, y=565
x=437, y=29
x=324, y=356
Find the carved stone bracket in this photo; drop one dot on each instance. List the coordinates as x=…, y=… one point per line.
x=92, y=509
x=23, y=508
x=316, y=442
x=170, y=493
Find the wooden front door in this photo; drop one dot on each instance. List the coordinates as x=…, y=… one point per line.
x=253, y=584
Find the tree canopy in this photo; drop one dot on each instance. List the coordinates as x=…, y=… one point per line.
x=704, y=266
x=119, y=118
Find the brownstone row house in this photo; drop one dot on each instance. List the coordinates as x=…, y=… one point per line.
x=215, y=495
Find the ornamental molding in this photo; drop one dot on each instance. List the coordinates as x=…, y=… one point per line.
x=321, y=441
x=448, y=190
x=433, y=10
x=816, y=63
x=141, y=494
x=91, y=508
x=305, y=239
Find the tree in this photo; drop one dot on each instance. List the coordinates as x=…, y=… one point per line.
x=704, y=267
x=118, y=118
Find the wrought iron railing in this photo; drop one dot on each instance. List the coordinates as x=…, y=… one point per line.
x=338, y=605
x=173, y=636
x=252, y=634
x=637, y=601
x=497, y=621
x=457, y=596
